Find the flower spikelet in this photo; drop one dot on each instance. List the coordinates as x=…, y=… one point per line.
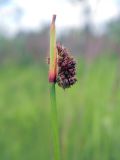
x=66, y=68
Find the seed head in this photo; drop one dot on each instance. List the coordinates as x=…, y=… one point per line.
x=66, y=68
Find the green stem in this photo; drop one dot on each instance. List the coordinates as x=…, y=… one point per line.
x=54, y=122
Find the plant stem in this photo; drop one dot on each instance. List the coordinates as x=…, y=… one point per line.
x=52, y=79
x=54, y=122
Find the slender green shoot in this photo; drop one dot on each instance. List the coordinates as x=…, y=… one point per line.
x=52, y=77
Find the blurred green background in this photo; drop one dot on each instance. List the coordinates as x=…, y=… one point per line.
x=89, y=112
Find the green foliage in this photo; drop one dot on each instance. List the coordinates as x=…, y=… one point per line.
x=89, y=113
x=114, y=30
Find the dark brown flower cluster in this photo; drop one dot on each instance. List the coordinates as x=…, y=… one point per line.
x=66, y=68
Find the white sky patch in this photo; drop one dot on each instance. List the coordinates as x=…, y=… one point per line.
x=7, y=19
x=38, y=12
x=106, y=9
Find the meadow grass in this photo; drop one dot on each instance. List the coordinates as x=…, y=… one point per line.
x=89, y=113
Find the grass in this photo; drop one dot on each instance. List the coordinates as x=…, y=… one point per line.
x=89, y=113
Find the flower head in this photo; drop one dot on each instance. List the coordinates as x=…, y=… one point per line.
x=66, y=68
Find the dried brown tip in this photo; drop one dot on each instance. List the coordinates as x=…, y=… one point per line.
x=53, y=18
x=66, y=68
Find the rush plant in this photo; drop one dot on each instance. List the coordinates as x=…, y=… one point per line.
x=52, y=79
x=61, y=71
